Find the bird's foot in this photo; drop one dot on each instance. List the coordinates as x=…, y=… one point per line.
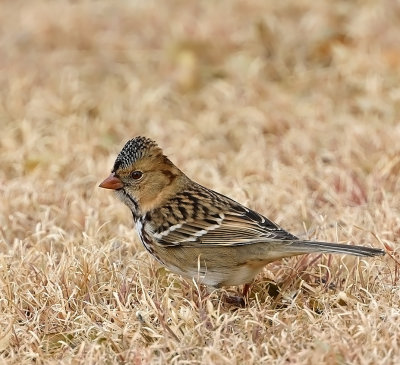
x=235, y=300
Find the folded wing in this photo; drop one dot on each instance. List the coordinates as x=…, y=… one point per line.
x=238, y=226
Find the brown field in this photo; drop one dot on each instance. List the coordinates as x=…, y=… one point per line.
x=291, y=108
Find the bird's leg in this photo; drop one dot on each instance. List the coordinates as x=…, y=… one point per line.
x=246, y=289
x=238, y=300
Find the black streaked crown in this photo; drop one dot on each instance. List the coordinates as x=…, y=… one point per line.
x=134, y=150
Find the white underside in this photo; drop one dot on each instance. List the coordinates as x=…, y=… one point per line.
x=237, y=276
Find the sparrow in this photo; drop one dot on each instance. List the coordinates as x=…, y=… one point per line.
x=197, y=232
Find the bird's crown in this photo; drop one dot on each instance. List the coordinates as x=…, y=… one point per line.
x=134, y=150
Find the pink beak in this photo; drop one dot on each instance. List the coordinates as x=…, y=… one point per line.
x=112, y=182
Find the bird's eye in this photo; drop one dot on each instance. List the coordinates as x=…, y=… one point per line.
x=136, y=175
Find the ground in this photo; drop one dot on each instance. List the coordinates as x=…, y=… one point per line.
x=291, y=108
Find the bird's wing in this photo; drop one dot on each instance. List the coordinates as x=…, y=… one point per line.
x=237, y=225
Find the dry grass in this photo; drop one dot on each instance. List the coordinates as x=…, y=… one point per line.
x=290, y=107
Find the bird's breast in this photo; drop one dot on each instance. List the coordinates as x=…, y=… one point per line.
x=146, y=239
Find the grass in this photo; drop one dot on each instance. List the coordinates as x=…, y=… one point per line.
x=291, y=108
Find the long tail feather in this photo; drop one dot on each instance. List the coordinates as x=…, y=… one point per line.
x=328, y=247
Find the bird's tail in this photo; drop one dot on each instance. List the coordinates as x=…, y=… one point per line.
x=303, y=247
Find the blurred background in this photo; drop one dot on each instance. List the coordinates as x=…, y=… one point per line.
x=298, y=100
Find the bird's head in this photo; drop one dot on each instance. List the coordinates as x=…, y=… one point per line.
x=142, y=176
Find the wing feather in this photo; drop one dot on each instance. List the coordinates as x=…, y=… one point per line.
x=230, y=228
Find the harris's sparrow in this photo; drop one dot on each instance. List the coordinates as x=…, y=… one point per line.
x=197, y=232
